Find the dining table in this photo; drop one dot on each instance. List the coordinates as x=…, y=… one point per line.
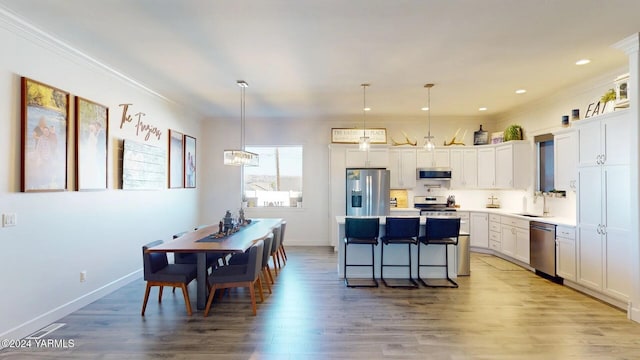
x=208, y=239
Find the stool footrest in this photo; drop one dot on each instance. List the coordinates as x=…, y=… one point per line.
x=401, y=283
x=366, y=282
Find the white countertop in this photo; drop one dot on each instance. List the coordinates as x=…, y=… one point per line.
x=555, y=220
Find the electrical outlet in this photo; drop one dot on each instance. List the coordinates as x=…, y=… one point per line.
x=83, y=275
x=9, y=219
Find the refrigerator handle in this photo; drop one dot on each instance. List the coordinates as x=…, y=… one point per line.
x=369, y=194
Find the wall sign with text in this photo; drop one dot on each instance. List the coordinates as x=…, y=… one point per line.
x=352, y=135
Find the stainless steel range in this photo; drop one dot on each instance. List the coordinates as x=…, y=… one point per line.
x=434, y=206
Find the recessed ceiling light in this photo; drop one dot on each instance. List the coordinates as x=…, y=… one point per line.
x=521, y=91
x=425, y=108
x=583, y=62
x=367, y=109
x=482, y=109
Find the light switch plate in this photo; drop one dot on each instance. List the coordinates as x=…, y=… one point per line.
x=9, y=219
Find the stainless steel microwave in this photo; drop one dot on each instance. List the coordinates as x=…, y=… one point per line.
x=434, y=173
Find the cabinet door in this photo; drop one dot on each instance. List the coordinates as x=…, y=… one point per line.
x=508, y=240
x=565, y=161
x=566, y=258
x=374, y=158
x=402, y=167
x=441, y=158
x=487, y=168
x=504, y=167
x=470, y=168
x=479, y=229
x=617, y=238
x=589, y=149
x=589, y=257
x=457, y=168
x=616, y=139
x=589, y=195
x=437, y=158
x=522, y=244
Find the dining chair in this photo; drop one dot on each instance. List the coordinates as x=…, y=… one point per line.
x=283, y=227
x=275, y=255
x=440, y=231
x=242, y=259
x=232, y=276
x=158, y=272
x=361, y=231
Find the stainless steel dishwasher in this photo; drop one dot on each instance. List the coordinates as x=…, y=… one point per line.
x=543, y=247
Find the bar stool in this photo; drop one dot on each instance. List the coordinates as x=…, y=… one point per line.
x=403, y=231
x=361, y=231
x=440, y=231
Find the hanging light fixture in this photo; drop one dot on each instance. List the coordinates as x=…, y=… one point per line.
x=428, y=143
x=241, y=157
x=365, y=141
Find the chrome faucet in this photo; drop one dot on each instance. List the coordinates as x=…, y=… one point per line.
x=545, y=209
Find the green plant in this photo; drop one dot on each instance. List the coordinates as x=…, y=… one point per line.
x=513, y=132
x=608, y=96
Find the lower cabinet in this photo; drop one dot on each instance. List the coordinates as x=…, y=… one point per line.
x=495, y=233
x=515, y=238
x=479, y=229
x=566, y=252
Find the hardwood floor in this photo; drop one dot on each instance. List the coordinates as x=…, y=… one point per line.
x=500, y=312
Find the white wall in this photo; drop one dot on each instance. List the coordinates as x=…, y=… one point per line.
x=60, y=234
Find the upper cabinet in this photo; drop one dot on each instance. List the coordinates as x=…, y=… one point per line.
x=439, y=157
x=487, y=167
x=374, y=158
x=402, y=166
x=565, y=160
x=513, y=165
x=599, y=140
x=464, y=168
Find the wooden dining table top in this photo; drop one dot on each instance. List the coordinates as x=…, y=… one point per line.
x=237, y=242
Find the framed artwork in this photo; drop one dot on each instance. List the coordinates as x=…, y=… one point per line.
x=352, y=136
x=45, y=119
x=189, y=161
x=92, y=132
x=176, y=159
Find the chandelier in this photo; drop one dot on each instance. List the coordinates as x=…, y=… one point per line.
x=241, y=157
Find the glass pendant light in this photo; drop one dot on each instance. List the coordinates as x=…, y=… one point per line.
x=365, y=141
x=241, y=157
x=428, y=143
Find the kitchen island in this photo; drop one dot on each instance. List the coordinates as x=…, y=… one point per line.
x=394, y=254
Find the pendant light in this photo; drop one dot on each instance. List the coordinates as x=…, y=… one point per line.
x=365, y=141
x=428, y=143
x=241, y=157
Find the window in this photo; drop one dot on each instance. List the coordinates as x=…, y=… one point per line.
x=544, y=144
x=277, y=181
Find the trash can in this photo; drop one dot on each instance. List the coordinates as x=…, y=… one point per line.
x=464, y=256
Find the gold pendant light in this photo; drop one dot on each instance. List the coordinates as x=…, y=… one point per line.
x=428, y=143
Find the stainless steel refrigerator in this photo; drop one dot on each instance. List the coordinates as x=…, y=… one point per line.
x=368, y=192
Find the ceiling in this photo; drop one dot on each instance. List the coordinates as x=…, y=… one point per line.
x=307, y=58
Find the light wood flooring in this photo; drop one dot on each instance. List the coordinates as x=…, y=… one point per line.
x=500, y=312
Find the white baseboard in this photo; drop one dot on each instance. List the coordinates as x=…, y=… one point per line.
x=634, y=314
x=61, y=311
x=622, y=305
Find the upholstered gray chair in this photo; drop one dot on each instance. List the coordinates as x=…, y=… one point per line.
x=243, y=258
x=440, y=231
x=283, y=226
x=232, y=276
x=275, y=254
x=158, y=272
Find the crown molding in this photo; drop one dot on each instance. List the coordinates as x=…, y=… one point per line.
x=629, y=44
x=18, y=26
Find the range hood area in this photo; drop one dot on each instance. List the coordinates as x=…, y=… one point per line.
x=433, y=173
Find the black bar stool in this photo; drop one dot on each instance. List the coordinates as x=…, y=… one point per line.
x=361, y=231
x=402, y=231
x=440, y=231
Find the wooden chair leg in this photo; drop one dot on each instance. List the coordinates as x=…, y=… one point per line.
x=146, y=298
x=269, y=272
x=284, y=252
x=185, y=293
x=266, y=280
x=252, y=291
x=160, y=294
x=212, y=293
x=275, y=262
x=259, y=281
x=281, y=255
x=278, y=257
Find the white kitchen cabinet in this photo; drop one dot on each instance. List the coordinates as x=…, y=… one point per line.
x=513, y=165
x=604, y=221
x=565, y=160
x=439, y=157
x=566, y=252
x=402, y=167
x=464, y=168
x=487, y=167
x=515, y=238
x=464, y=221
x=479, y=229
x=495, y=236
x=604, y=140
x=374, y=158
